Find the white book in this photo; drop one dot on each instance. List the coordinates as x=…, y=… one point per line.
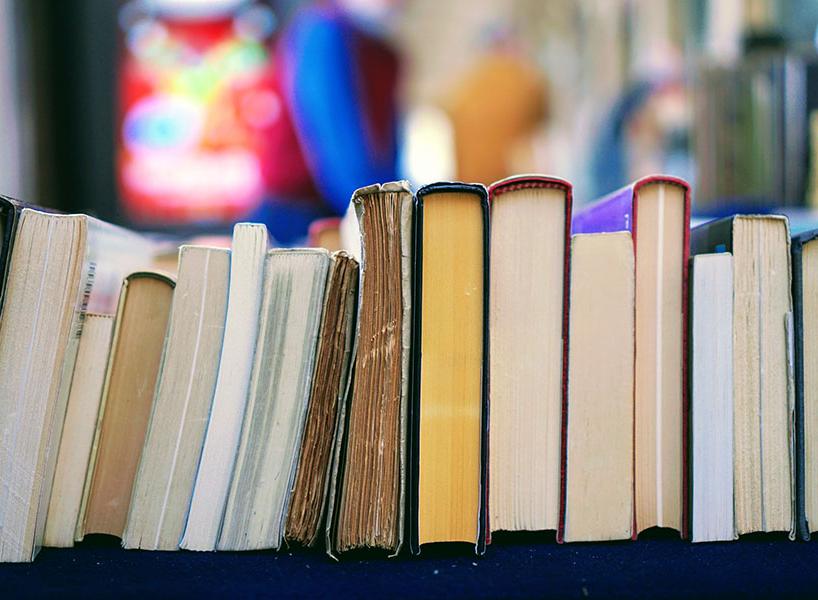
x=294, y=284
x=62, y=268
x=187, y=381
x=232, y=386
x=712, y=397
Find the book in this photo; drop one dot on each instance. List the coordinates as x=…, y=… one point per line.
x=221, y=442
x=184, y=393
x=711, y=397
x=331, y=379
x=366, y=508
x=79, y=428
x=10, y=210
x=530, y=257
x=62, y=267
x=763, y=399
x=598, y=451
x=656, y=210
x=127, y=400
x=805, y=332
x=449, y=440
x=291, y=312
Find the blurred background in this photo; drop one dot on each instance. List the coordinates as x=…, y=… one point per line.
x=187, y=115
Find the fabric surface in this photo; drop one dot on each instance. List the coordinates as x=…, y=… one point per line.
x=514, y=566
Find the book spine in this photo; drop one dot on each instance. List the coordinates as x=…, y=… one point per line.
x=802, y=526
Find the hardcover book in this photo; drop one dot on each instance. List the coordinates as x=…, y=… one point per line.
x=805, y=309
x=656, y=211
x=530, y=258
x=450, y=346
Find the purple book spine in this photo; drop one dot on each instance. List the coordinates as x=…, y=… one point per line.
x=613, y=212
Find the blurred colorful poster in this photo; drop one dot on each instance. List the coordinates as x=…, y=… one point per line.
x=198, y=103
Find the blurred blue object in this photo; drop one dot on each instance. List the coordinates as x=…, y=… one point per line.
x=340, y=83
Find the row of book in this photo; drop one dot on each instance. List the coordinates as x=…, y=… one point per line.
x=496, y=362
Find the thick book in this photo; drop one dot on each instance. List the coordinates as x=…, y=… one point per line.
x=62, y=268
x=711, y=397
x=805, y=331
x=450, y=348
x=368, y=481
x=656, y=211
x=215, y=469
x=283, y=366
x=529, y=275
x=598, y=447
x=763, y=386
x=127, y=400
x=333, y=366
x=184, y=393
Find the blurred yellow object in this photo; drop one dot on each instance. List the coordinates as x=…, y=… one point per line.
x=493, y=108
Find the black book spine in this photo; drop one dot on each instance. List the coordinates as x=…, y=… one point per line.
x=801, y=525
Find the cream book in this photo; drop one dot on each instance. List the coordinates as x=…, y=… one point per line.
x=656, y=211
x=62, y=268
x=232, y=386
x=530, y=237
x=294, y=284
x=184, y=393
x=598, y=503
x=78, y=431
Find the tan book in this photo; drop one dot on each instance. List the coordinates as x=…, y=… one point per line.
x=329, y=388
x=184, y=394
x=598, y=494
x=62, y=268
x=127, y=398
x=294, y=284
x=368, y=485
